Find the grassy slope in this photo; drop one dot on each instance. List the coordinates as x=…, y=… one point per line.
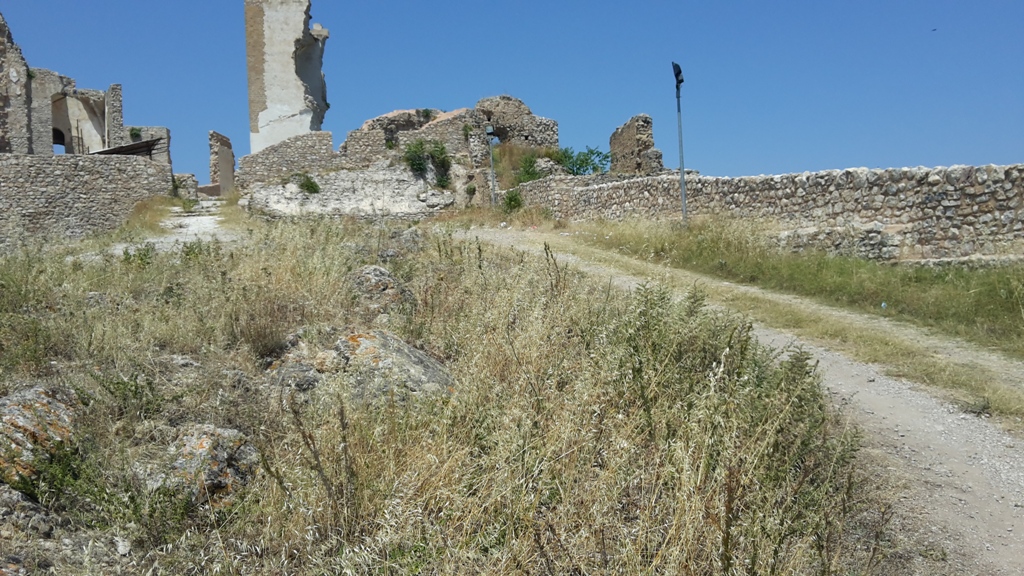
x=592, y=431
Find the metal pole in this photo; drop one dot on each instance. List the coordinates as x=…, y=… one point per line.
x=489, y=130
x=490, y=144
x=679, y=114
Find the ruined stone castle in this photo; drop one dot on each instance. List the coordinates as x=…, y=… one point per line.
x=68, y=164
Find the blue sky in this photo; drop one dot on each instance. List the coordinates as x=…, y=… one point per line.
x=771, y=87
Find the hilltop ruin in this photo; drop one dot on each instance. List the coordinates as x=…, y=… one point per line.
x=287, y=90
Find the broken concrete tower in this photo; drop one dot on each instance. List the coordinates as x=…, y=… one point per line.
x=632, y=148
x=287, y=92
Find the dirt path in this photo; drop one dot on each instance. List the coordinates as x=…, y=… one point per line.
x=960, y=509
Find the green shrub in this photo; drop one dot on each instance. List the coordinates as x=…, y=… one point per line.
x=471, y=190
x=415, y=157
x=512, y=201
x=308, y=185
x=135, y=133
x=420, y=155
x=591, y=161
x=528, y=170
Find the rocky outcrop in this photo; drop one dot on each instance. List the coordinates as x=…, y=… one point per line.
x=387, y=192
x=34, y=424
x=378, y=291
x=381, y=366
x=210, y=464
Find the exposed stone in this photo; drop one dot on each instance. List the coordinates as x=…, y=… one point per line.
x=301, y=377
x=378, y=290
x=34, y=423
x=514, y=123
x=222, y=164
x=186, y=186
x=381, y=366
x=632, y=148
x=287, y=91
x=210, y=464
x=23, y=514
x=389, y=192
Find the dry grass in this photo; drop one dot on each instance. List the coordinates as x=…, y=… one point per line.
x=592, y=431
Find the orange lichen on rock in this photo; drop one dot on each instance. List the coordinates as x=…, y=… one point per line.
x=34, y=423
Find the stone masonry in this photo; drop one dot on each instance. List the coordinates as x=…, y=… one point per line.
x=632, y=148
x=461, y=131
x=893, y=214
x=287, y=91
x=222, y=163
x=72, y=196
x=308, y=153
x=15, y=99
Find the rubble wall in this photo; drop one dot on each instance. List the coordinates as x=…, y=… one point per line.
x=15, y=96
x=72, y=196
x=309, y=153
x=898, y=213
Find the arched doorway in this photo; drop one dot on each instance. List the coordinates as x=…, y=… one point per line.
x=59, y=142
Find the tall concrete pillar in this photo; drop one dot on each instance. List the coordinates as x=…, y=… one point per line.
x=287, y=92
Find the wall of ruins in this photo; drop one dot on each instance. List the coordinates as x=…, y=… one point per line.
x=632, y=148
x=116, y=133
x=309, y=153
x=15, y=99
x=463, y=132
x=900, y=213
x=222, y=163
x=287, y=91
x=73, y=196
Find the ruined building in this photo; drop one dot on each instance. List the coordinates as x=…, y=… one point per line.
x=103, y=167
x=41, y=110
x=632, y=148
x=287, y=91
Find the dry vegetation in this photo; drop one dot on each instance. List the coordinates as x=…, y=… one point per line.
x=591, y=432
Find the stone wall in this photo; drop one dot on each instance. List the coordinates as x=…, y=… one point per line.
x=463, y=132
x=186, y=186
x=72, y=196
x=116, y=134
x=900, y=213
x=632, y=148
x=15, y=97
x=162, y=149
x=222, y=163
x=309, y=153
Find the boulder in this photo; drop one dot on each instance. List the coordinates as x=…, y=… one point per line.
x=211, y=464
x=381, y=365
x=378, y=290
x=34, y=424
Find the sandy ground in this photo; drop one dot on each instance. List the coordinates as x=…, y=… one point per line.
x=961, y=478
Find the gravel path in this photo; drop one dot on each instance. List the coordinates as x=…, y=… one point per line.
x=961, y=478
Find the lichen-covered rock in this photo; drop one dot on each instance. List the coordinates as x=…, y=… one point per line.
x=13, y=566
x=21, y=513
x=34, y=423
x=378, y=290
x=212, y=464
x=380, y=365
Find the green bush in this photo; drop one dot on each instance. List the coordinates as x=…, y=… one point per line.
x=308, y=185
x=591, y=161
x=528, y=170
x=512, y=201
x=420, y=155
x=415, y=157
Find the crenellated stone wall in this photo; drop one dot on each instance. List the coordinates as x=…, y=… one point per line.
x=72, y=196
x=309, y=153
x=899, y=213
